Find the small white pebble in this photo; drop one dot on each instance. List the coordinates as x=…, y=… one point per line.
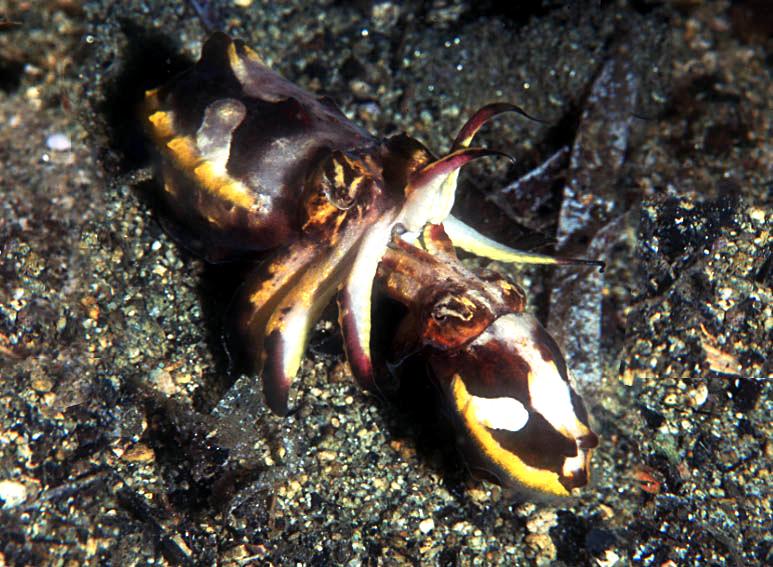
x=757, y=215
x=698, y=395
x=162, y=380
x=461, y=527
x=427, y=525
x=58, y=142
x=12, y=493
x=609, y=559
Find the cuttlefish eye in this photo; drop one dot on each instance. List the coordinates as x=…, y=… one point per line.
x=343, y=176
x=452, y=306
x=454, y=317
x=513, y=395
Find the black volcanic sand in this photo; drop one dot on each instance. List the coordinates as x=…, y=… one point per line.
x=123, y=438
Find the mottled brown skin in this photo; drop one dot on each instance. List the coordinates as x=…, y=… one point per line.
x=252, y=163
x=449, y=308
x=449, y=305
x=288, y=180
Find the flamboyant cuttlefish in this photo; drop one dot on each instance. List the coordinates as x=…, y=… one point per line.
x=252, y=162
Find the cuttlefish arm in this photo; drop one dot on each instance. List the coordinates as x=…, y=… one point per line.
x=467, y=238
x=297, y=286
x=261, y=293
x=424, y=204
x=481, y=116
x=287, y=329
x=354, y=300
x=427, y=200
x=464, y=139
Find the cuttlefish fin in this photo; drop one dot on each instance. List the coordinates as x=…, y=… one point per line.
x=467, y=238
x=354, y=301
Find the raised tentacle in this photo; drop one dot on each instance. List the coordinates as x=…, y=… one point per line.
x=426, y=201
x=469, y=239
x=481, y=116
x=354, y=300
x=467, y=133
